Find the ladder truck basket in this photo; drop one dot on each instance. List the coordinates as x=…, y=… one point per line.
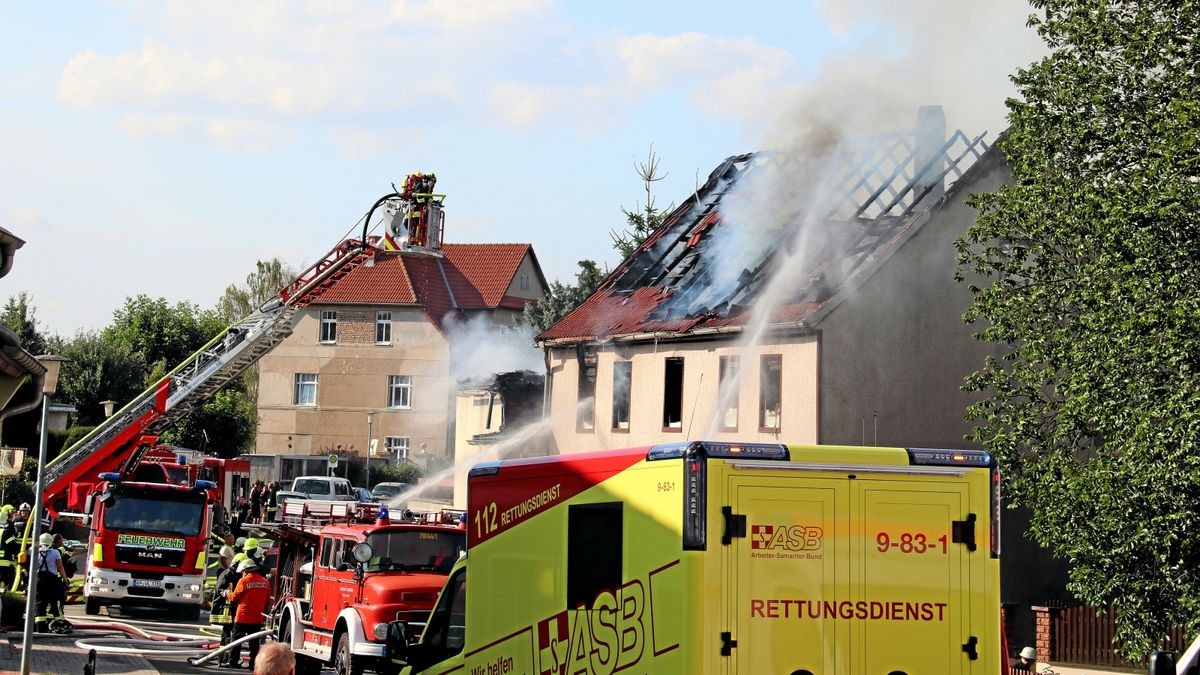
x=314, y=513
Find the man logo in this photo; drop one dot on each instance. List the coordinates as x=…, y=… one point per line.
x=785, y=537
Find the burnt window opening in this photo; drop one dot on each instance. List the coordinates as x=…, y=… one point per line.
x=770, y=392
x=673, y=395
x=594, y=536
x=586, y=407
x=727, y=392
x=622, y=379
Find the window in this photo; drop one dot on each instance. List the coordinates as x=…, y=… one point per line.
x=306, y=389
x=673, y=395
x=594, y=536
x=328, y=326
x=398, y=446
x=524, y=282
x=399, y=391
x=770, y=392
x=327, y=552
x=383, y=328
x=586, y=407
x=622, y=378
x=727, y=392
x=445, y=635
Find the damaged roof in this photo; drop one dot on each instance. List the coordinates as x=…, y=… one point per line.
x=465, y=277
x=825, y=214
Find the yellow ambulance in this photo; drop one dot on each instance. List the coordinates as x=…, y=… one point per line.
x=722, y=558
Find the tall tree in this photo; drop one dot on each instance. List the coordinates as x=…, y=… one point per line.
x=164, y=334
x=20, y=316
x=1090, y=267
x=641, y=220
x=97, y=370
x=561, y=298
x=265, y=282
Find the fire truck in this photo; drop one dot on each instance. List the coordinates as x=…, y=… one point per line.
x=346, y=570
x=148, y=540
x=71, y=477
x=717, y=557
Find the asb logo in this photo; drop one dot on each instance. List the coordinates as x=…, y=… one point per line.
x=785, y=537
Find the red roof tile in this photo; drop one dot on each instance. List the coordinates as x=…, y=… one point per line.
x=470, y=276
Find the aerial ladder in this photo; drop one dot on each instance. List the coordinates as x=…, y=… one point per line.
x=111, y=445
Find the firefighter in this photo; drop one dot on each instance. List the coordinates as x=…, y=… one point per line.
x=252, y=595
x=222, y=610
x=52, y=584
x=272, y=501
x=251, y=549
x=8, y=549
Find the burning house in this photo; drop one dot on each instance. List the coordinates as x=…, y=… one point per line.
x=805, y=295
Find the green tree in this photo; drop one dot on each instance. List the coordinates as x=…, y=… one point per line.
x=1089, y=268
x=164, y=334
x=265, y=282
x=20, y=316
x=224, y=425
x=97, y=369
x=641, y=221
x=561, y=298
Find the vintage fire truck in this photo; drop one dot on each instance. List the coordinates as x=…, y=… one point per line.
x=346, y=570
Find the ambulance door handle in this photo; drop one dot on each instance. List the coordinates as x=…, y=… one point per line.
x=969, y=648
x=963, y=532
x=735, y=525
x=727, y=643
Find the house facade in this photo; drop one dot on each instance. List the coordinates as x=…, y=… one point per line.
x=379, y=341
x=826, y=311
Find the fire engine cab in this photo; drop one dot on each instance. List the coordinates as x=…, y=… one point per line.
x=346, y=570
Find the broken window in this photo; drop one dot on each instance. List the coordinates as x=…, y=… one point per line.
x=622, y=378
x=673, y=395
x=770, y=392
x=586, y=408
x=727, y=392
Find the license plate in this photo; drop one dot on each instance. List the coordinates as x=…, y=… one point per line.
x=150, y=583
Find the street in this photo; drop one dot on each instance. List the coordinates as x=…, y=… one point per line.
x=59, y=654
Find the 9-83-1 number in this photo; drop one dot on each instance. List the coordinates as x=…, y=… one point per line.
x=909, y=542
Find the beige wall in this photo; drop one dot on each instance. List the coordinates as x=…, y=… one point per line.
x=534, y=289
x=700, y=399
x=470, y=419
x=352, y=378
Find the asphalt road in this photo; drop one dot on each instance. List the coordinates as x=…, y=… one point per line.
x=154, y=619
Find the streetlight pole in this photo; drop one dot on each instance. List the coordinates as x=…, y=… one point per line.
x=49, y=386
x=370, y=418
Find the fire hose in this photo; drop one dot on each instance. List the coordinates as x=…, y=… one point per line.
x=197, y=647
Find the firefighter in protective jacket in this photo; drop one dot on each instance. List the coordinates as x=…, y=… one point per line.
x=252, y=595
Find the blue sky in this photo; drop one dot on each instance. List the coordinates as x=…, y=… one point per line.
x=164, y=147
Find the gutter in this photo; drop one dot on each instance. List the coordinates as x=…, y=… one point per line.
x=11, y=346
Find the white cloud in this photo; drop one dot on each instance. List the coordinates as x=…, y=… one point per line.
x=466, y=14
x=139, y=126
x=243, y=135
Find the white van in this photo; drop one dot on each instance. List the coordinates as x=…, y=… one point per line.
x=324, y=487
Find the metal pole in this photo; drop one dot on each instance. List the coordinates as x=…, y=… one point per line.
x=31, y=592
x=370, y=418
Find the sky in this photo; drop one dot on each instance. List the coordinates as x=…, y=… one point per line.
x=164, y=147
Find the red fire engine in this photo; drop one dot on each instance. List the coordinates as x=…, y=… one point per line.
x=346, y=570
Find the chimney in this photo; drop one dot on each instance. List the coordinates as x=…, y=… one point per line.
x=929, y=162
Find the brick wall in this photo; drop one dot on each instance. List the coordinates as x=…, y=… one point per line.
x=355, y=328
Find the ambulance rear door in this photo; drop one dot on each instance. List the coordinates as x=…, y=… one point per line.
x=786, y=553
x=910, y=573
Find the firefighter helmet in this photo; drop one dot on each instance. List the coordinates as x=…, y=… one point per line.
x=251, y=544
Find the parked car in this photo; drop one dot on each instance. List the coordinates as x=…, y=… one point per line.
x=324, y=487
x=364, y=495
x=385, y=492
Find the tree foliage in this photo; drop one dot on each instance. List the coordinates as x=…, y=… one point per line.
x=265, y=282
x=96, y=369
x=164, y=334
x=561, y=298
x=1090, y=267
x=641, y=221
x=20, y=316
